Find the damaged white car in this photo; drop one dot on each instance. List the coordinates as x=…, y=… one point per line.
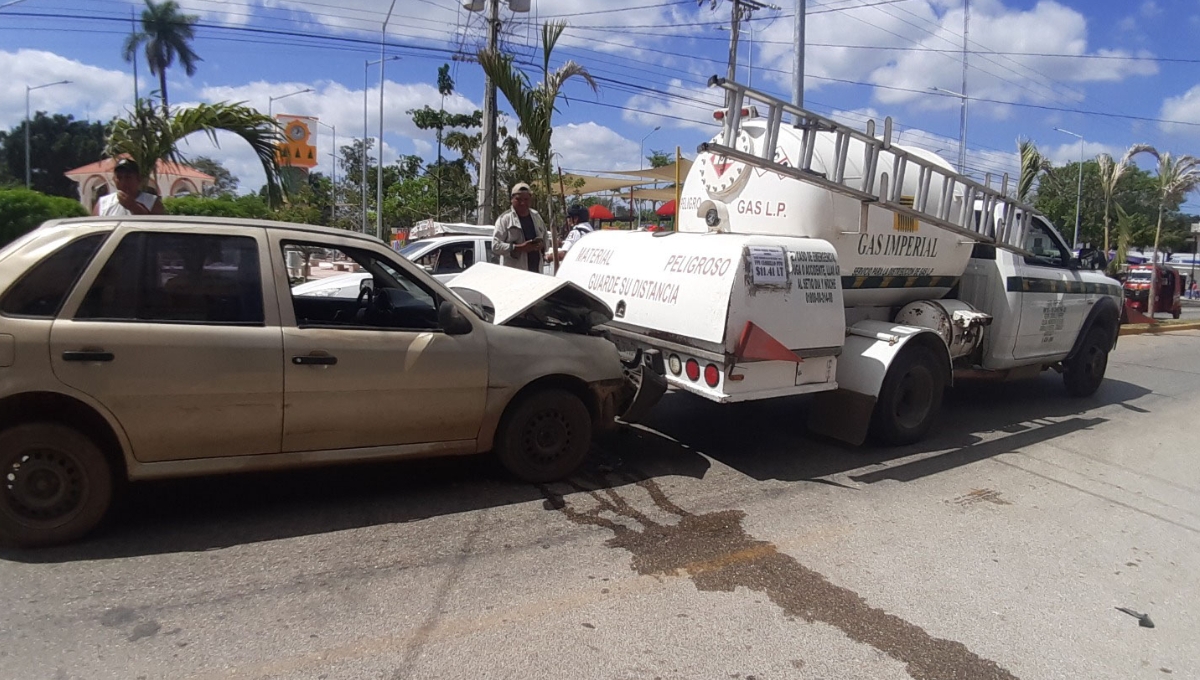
x=151, y=347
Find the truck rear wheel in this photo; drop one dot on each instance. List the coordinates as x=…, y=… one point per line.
x=910, y=397
x=1083, y=373
x=56, y=484
x=545, y=436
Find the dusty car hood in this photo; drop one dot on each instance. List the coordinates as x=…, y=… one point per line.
x=530, y=300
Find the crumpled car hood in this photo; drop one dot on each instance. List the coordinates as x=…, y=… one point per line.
x=530, y=300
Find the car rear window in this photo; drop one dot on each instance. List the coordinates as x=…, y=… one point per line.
x=196, y=278
x=42, y=290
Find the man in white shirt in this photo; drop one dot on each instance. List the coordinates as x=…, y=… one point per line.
x=129, y=198
x=520, y=233
x=577, y=220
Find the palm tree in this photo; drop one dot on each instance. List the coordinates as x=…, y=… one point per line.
x=148, y=136
x=1177, y=176
x=167, y=35
x=1032, y=164
x=533, y=105
x=1110, y=175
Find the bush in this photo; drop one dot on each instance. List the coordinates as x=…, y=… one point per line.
x=252, y=207
x=22, y=210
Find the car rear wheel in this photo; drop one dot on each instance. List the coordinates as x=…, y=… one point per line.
x=57, y=484
x=545, y=436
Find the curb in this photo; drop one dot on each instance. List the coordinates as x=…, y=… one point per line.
x=1143, y=328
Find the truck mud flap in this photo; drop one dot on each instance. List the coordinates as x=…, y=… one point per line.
x=646, y=374
x=842, y=415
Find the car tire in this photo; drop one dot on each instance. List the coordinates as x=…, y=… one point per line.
x=544, y=436
x=910, y=397
x=57, y=484
x=1083, y=372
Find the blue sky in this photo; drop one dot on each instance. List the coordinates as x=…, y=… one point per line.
x=1033, y=66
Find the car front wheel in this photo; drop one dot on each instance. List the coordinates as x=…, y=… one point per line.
x=545, y=436
x=1084, y=372
x=57, y=484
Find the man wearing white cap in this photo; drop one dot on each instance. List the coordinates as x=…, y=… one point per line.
x=520, y=235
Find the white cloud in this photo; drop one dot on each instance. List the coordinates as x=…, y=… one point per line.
x=685, y=106
x=1184, y=108
x=1068, y=152
x=934, y=28
x=1150, y=9
x=593, y=147
x=101, y=92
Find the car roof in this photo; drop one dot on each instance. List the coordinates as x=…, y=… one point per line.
x=187, y=221
x=447, y=237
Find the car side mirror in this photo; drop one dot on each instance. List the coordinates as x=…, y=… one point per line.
x=367, y=282
x=452, y=320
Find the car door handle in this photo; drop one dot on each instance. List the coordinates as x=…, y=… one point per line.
x=314, y=360
x=87, y=355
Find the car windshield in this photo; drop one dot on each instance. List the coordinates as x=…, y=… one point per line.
x=1139, y=275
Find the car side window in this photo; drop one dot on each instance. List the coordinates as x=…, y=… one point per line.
x=179, y=278
x=42, y=290
x=352, y=287
x=1047, y=250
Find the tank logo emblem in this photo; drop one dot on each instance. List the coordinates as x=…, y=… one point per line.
x=904, y=223
x=721, y=175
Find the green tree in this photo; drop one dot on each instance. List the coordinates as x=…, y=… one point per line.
x=249, y=207
x=438, y=120
x=1033, y=163
x=57, y=144
x=534, y=106
x=22, y=210
x=1177, y=177
x=224, y=181
x=148, y=136
x=1111, y=173
x=166, y=35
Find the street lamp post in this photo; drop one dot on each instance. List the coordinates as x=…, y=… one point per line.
x=366, y=68
x=641, y=164
x=1079, y=188
x=28, y=89
x=962, y=127
x=271, y=100
x=382, y=82
x=333, y=166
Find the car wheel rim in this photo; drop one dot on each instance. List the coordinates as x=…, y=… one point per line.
x=914, y=398
x=1095, y=362
x=547, y=437
x=43, y=485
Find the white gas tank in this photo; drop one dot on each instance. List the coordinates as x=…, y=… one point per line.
x=896, y=260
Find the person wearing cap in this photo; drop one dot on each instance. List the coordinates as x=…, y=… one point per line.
x=577, y=221
x=520, y=234
x=129, y=198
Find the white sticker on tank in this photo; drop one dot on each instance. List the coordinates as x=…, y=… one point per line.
x=768, y=266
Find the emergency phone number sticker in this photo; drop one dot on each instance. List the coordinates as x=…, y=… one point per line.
x=768, y=266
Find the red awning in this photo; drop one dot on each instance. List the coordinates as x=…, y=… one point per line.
x=667, y=209
x=599, y=212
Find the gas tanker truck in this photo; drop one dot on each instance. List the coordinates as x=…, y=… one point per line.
x=813, y=257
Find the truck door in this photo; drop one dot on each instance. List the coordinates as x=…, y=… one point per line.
x=1054, y=299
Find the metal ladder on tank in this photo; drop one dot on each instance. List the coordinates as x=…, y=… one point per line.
x=1010, y=217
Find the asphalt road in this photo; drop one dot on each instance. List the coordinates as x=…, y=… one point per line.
x=719, y=542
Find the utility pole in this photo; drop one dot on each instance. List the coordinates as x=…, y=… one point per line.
x=487, y=155
x=382, y=82
x=798, y=67
x=962, y=115
x=133, y=30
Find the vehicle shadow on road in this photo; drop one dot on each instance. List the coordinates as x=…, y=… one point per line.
x=768, y=440
x=207, y=513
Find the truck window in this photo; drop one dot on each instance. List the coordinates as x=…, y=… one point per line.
x=1048, y=250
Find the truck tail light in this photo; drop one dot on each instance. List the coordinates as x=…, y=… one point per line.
x=693, y=370
x=712, y=375
x=675, y=364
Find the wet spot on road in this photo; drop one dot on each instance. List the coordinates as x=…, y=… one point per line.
x=714, y=550
x=144, y=629
x=118, y=616
x=981, y=496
